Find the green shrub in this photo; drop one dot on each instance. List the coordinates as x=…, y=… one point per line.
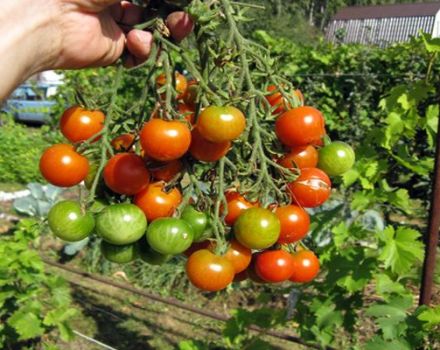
x=20, y=151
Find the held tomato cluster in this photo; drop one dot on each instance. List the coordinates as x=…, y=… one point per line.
x=146, y=213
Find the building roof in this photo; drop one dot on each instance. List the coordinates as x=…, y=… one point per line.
x=385, y=11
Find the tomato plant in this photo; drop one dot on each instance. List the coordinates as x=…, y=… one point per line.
x=236, y=203
x=300, y=157
x=124, y=143
x=198, y=221
x=239, y=255
x=170, y=236
x=166, y=171
x=336, y=158
x=305, y=266
x=276, y=99
x=120, y=254
x=62, y=166
x=274, y=265
x=311, y=189
x=179, y=83
x=295, y=223
x=207, y=151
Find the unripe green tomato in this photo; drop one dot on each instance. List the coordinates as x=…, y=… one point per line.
x=197, y=220
x=169, y=236
x=257, y=228
x=68, y=222
x=336, y=158
x=120, y=254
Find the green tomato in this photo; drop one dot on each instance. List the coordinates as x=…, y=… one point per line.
x=149, y=255
x=169, y=236
x=257, y=228
x=197, y=220
x=68, y=222
x=120, y=254
x=336, y=158
x=121, y=224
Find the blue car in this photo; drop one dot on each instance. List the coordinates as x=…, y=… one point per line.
x=30, y=103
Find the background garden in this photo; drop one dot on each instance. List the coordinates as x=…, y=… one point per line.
x=383, y=101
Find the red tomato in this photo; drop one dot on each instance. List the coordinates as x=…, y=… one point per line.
x=156, y=203
x=236, y=204
x=123, y=143
x=180, y=84
x=190, y=96
x=239, y=256
x=207, y=151
x=166, y=171
x=311, y=189
x=274, y=265
x=125, y=173
x=165, y=140
x=187, y=112
x=221, y=124
x=306, y=266
x=300, y=126
x=300, y=157
x=295, y=223
x=208, y=271
x=276, y=99
x=61, y=166
x=78, y=124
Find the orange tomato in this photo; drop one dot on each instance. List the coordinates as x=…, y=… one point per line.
x=123, y=143
x=156, y=203
x=61, y=166
x=165, y=140
x=207, y=151
x=239, y=255
x=276, y=99
x=180, y=83
x=300, y=157
x=78, y=124
x=236, y=204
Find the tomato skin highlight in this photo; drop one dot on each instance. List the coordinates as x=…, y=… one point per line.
x=274, y=265
x=209, y=272
x=300, y=157
x=311, y=189
x=306, y=266
x=156, y=203
x=61, y=166
x=236, y=204
x=239, y=256
x=78, y=124
x=207, y=151
x=295, y=223
x=121, y=224
x=165, y=140
x=257, y=228
x=125, y=173
x=221, y=123
x=67, y=221
x=300, y=126
x=336, y=158
x=180, y=80
x=169, y=236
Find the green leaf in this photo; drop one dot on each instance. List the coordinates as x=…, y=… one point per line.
x=26, y=324
x=431, y=123
x=401, y=250
x=401, y=200
x=56, y=316
x=377, y=343
x=430, y=316
x=350, y=177
x=385, y=286
x=431, y=44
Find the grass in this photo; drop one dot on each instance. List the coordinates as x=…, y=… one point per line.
x=11, y=186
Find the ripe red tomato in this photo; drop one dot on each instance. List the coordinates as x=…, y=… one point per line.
x=208, y=271
x=300, y=157
x=156, y=203
x=166, y=171
x=239, y=256
x=207, y=151
x=236, y=204
x=180, y=81
x=61, y=166
x=311, y=189
x=125, y=173
x=300, y=126
x=187, y=112
x=274, y=265
x=78, y=124
x=306, y=266
x=165, y=140
x=276, y=99
x=295, y=223
x=220, y=124
x=123, y=143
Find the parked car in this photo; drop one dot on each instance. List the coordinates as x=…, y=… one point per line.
x=30, y=102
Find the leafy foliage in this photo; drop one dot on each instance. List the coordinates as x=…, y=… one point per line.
x=32, y=303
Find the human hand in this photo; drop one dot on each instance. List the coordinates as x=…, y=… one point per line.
x=91, y=33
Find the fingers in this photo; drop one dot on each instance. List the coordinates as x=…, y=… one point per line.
x=139, y=44
x=126, y=13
